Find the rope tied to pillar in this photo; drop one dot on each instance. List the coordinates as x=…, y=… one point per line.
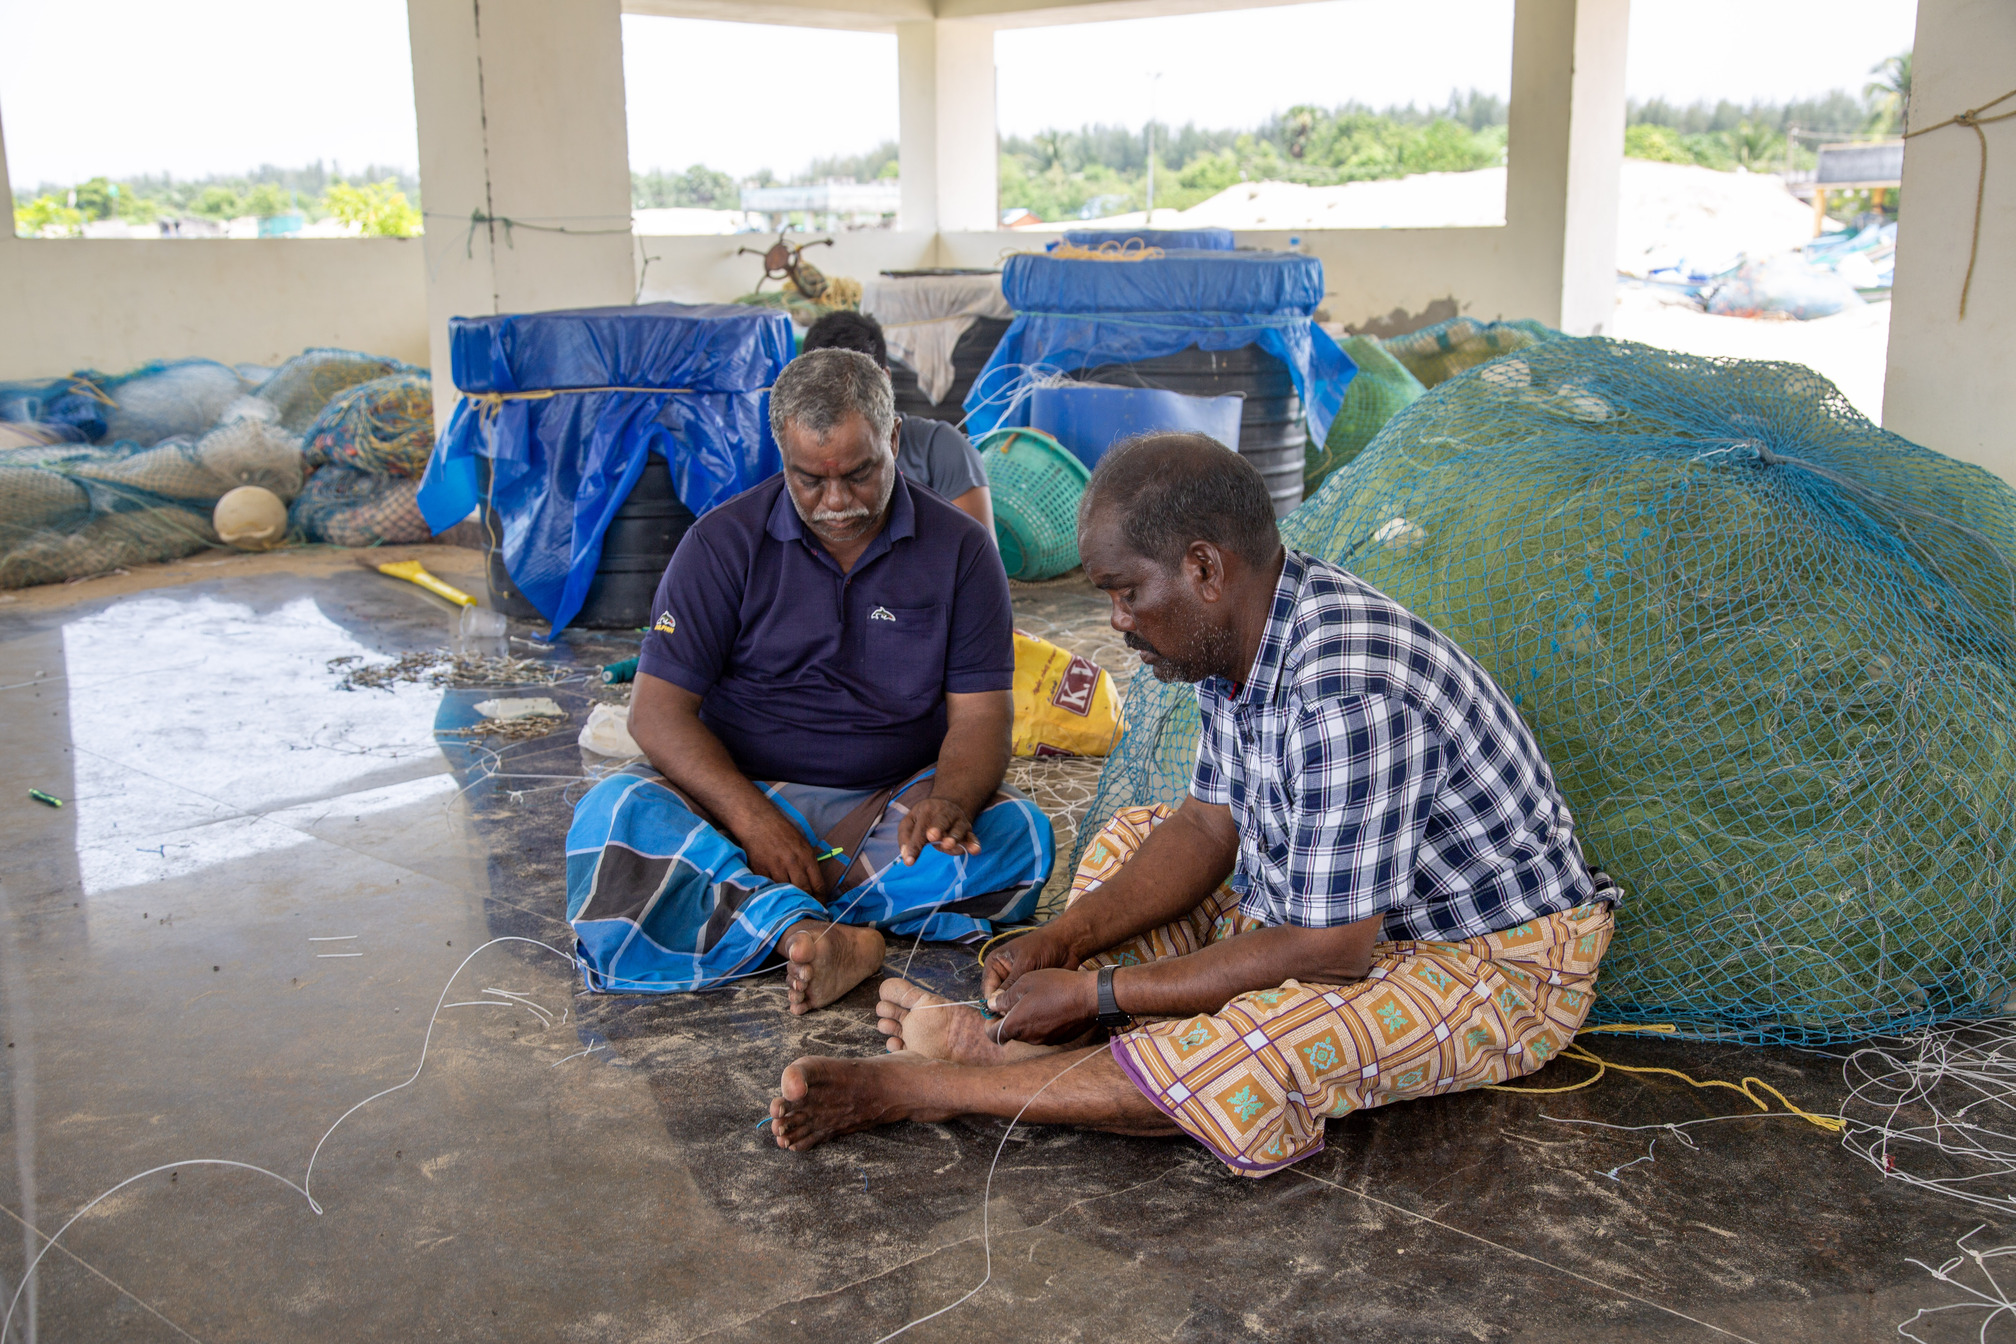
x=1973, y=119
x=491, y=403
x=479, y=218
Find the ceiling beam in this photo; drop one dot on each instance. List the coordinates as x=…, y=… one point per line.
x=882, y=16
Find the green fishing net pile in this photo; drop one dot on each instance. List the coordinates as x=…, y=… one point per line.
x=1766, y=646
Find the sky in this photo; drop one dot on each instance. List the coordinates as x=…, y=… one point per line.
x=224, y=85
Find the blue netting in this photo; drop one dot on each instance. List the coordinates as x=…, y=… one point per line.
x=385, y=426
x=1766, y=646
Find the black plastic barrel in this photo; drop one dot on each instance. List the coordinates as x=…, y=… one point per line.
x=970, y=355
x=1272, y=435
x=635, y=550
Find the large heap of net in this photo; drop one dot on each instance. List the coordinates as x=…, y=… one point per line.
x=98, y=473
x=1766, y=646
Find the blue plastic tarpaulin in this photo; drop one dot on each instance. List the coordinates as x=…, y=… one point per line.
x=568, y=405
x=1088, y=419
x=1074, y=314
x=1202, y=240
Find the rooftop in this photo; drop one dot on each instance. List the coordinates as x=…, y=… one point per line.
x=571, y=1166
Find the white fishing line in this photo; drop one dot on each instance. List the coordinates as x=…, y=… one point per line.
x=1946, y=1092
x=986, y=1201
x=307, y=1178
x=1995, y=1300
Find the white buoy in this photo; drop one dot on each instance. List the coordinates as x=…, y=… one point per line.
x=251, y=518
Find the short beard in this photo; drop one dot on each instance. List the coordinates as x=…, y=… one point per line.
x=819, y=520
x=1208, y=651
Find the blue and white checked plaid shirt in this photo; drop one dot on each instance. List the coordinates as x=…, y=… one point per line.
x=1372, y=766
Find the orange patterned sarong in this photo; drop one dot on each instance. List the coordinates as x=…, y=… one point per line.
x=1254, y=1081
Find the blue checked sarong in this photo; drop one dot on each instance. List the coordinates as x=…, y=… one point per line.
x=662, y=899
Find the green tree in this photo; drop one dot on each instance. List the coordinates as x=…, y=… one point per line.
x=266, y=200
x=1660, y=144
x=379, y=209
x=1758, y=148
x=1889, y=94
x=218, y=202
x=95, y=198
x=47, y=217
x=699, y=186
x=135, y=208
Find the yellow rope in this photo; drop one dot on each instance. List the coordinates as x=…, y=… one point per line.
x=1973, y=120
x=1008, y=933
x=1110, y=250
x=491, y=403
x=1831, y=1124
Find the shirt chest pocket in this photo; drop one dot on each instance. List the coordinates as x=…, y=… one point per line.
x=901, y=651
x=1268, y=819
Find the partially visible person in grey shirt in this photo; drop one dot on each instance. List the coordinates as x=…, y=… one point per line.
x=930, y=453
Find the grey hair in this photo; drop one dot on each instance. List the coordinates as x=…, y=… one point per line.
x=1169, y=490
x=821, y=388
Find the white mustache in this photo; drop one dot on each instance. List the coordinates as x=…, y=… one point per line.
x=850, y=515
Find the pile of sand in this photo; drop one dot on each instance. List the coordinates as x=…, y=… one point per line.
x=1668, y=214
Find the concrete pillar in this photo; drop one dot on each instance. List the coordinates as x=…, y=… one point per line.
x=917, y=125
x=7, y=240
x=950, y=154
x=1565, y=152
x=520, y=109
x=1948, y=383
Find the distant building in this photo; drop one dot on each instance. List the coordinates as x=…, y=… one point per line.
x=827, y=205
x=679, y=219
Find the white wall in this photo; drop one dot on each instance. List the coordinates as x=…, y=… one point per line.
x=111, y=305
x=76, y=304
x=1951, y=383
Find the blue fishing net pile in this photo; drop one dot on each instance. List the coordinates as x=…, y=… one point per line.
x=1768, y=648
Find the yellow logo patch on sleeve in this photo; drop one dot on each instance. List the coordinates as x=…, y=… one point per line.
x=664, y=625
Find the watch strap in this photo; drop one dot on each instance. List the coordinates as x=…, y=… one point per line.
x=1110, y=1015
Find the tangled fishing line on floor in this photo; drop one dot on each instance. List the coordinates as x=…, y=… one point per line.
x=1937, y=1111
x=305, y=1188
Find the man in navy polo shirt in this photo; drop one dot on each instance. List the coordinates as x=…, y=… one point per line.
x=824, y=699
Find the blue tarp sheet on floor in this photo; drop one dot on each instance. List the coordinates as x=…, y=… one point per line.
x=1075, y=314
x=568, y=405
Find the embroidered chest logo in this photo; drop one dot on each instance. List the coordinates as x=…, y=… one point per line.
x=1074, y=689
x=882, y=614
x=665, y=625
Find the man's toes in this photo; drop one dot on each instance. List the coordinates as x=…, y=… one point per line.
x=894, y=1045
x=904, y=994
x=795, y=1085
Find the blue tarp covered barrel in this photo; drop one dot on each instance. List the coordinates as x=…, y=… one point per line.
x=568, y=405
x=1075, y=314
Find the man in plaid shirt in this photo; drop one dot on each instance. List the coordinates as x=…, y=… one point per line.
x=1373, y=891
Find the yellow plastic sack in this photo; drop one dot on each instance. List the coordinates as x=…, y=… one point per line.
x=1064, y=705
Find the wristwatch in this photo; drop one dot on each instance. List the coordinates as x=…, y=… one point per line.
x=1110, y=1016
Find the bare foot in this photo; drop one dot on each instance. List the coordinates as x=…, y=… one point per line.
x=823, y=1098
x=827, y=960
x=955, y=1035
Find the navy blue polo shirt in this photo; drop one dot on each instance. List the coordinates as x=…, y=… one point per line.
x=818, y=677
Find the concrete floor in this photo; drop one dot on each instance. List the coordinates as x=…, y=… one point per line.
x=592, y=1171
